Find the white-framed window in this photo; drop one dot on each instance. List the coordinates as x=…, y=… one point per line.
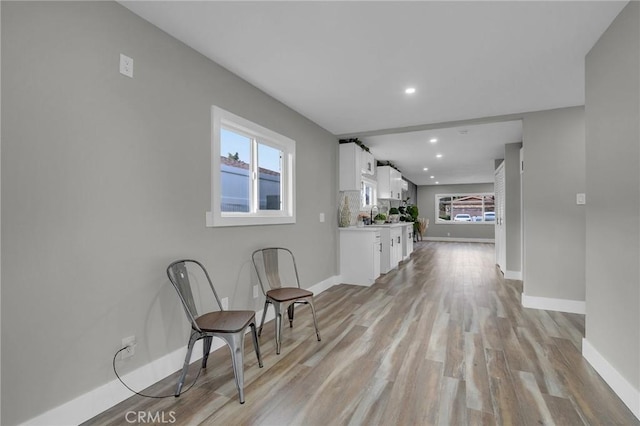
x=368, y=192
x=465, y=208
x=252, y=173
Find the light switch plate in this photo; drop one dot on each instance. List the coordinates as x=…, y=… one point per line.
x=322, y=217
x=581, y=198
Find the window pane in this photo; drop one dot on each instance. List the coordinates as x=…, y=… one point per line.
x=467, y=208
x=235, y=156
x=269, y=182
x=367, y=194
x=489, y=208
x=444, y=208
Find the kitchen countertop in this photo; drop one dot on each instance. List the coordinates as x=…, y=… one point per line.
x=367, y=228
x=376, y=227
x=392, y=225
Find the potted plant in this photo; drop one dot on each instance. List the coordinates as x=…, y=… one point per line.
x=394, y=214
x=412, y=213
x=380, y=219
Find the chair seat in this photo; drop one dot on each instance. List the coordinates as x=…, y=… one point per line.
x=288, y=293
x=225, y=321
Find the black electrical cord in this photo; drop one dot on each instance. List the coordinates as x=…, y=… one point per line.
x=150, y=396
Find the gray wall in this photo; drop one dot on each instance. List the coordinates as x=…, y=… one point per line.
x=613, y=200
x=512, y=207
x=426, y=205
x=554, y=226
x=106, y=179
x=412, y=193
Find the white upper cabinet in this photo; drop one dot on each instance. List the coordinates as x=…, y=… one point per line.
x=389, y=183
x=354, y=162
x=350, y=174
x=367, y=163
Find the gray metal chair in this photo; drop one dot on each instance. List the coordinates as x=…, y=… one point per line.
x=186, y=276
x=278, y=276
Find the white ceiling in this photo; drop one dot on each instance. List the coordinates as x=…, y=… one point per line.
x=345, y=64
x=468, y=152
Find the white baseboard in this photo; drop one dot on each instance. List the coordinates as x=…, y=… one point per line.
x=625, y=391
x=106, y=396
x=461, y=240
x=513, y=275
x=551, y=304
x=326, y=284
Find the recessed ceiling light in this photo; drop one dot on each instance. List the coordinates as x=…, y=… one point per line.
x=425, y=169
x=431, y=177
x=434, y=140
x=410, y=90
x=439, y=156
x=437, y=182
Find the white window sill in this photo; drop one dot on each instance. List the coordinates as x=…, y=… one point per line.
x=213, y=222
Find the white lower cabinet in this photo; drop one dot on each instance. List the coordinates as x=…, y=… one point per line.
x=360, y=255
x=367, y=252
x=407, y=247
x=391, y=237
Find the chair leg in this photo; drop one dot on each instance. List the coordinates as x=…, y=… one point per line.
x=264, y=314
x=236, y=344
x=290, y=312
x=206, y=348
x=277, y=306
x=315, y=322
x=256, y=345
x=192, y=341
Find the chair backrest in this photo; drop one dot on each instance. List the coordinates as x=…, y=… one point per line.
x=276, y=268
x=186, y=277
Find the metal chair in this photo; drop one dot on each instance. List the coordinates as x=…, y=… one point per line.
x=230, y=326
x=278, y=276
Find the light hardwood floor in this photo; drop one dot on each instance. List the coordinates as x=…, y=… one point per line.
x=441, y=340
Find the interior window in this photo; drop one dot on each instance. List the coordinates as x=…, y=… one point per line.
x=253, y=173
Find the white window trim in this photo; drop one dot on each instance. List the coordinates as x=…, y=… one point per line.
x=438, y=221
x=214, y=218
x=374, y=185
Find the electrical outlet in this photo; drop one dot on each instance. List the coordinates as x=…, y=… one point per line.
x=130, y=344
x=255, y=291
x=225, y=303
x=126, y=65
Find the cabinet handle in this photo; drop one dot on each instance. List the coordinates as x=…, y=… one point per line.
x=392, y=242
x=398, y=239
x=380, y=248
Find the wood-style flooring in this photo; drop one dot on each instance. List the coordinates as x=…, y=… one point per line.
x=441, y=340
